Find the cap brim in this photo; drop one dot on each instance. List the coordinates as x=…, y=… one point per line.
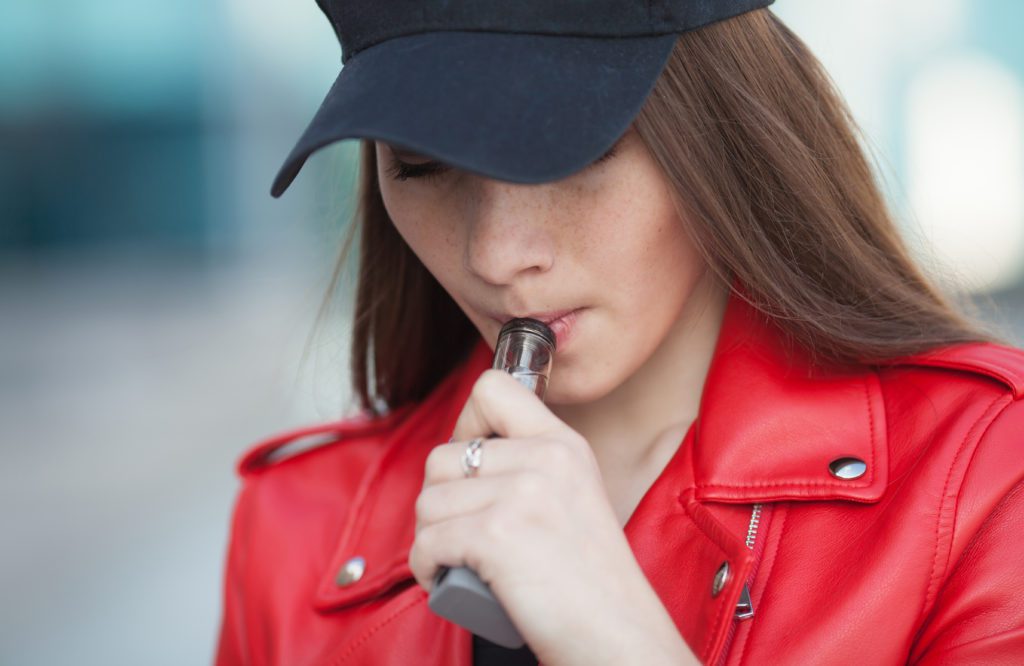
x=524, y=108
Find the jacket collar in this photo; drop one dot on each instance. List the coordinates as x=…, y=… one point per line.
x=770, y=420
x=768, y=425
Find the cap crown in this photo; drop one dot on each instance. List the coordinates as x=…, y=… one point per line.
x=359, y=24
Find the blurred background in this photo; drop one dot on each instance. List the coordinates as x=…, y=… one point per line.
x=157, y=305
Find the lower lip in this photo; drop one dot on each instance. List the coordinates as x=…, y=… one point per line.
x=564, y=327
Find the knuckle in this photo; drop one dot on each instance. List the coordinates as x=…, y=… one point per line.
x=474, y=555
x=489, y=383
x=423, y=505
x=424, y=542
x=497, y=527
x=578, y=444
x=528, y=485
x=414, y=560
x=433, y=466
x=560, y=454
x=582, y=453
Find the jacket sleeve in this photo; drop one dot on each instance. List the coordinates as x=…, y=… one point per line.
x=978, y=615
x=232, y=648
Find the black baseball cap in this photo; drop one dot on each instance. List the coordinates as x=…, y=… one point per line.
x=526, y=91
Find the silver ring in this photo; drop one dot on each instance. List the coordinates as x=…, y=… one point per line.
x=471, y=457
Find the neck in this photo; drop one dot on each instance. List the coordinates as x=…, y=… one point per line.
x=642, y=421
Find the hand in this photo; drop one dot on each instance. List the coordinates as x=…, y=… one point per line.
x=537, y=525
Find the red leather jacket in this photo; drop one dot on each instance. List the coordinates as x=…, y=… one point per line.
x=918, y=560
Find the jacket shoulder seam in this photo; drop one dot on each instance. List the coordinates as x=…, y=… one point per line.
x=295, y=442
x=1002, y=363
x=983, y=424
x=1015, y=489
x=986, y=637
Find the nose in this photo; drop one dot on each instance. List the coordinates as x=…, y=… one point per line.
x=509, y=231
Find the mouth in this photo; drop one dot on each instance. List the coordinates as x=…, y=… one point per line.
x=561, y=322
x=546, y=317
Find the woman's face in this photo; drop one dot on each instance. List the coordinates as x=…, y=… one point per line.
x=606, y=239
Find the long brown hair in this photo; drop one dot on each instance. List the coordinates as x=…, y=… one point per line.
x=776, y=192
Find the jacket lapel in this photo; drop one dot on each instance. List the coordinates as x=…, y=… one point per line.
x=768, y=426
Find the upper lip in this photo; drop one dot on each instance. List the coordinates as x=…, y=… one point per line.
x=546, y=317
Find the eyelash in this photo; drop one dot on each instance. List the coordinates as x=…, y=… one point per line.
x=399, y=170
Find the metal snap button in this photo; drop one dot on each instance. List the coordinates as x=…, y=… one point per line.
x=351, y=571
x=721, y=576
x=847, y=468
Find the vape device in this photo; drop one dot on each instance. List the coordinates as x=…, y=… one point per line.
x=525, y=350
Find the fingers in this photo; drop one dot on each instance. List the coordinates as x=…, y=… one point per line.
x=444, y=501
x=444, y=462
x=497, y=457
x=499, y=404
x=446, y=544
x=464, y=540
x=532, y=454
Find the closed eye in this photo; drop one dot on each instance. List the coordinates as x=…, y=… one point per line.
x=400, y=170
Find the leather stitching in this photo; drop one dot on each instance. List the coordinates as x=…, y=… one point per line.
x=1012, y=631
x=871, y=427
x=776, y=484
x=721, y=606
x=1004, y=500
x=370, y=632
x=817, y=484
x=969, y=437
x=768, y=574
x=353, y=528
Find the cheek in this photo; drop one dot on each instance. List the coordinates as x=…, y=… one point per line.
x=644, y=268
x=646, y=253
x=426, y=241
x=423, y=225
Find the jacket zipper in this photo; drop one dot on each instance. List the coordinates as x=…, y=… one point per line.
x=745, y=607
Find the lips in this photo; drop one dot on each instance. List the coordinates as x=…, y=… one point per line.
x=546, y=317
x=561, y=322
x=563, y=328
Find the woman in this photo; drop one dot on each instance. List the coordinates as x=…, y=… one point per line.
x=767, y=437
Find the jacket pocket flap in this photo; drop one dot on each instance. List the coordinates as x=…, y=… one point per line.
x=354, y=579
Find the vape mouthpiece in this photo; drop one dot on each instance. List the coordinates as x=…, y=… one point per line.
x=525, y=350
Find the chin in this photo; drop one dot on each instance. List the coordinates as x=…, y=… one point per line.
x=572, y=388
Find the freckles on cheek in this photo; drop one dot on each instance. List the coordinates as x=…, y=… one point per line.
x=433, y=243
x=408, y=217
x=651, y=257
